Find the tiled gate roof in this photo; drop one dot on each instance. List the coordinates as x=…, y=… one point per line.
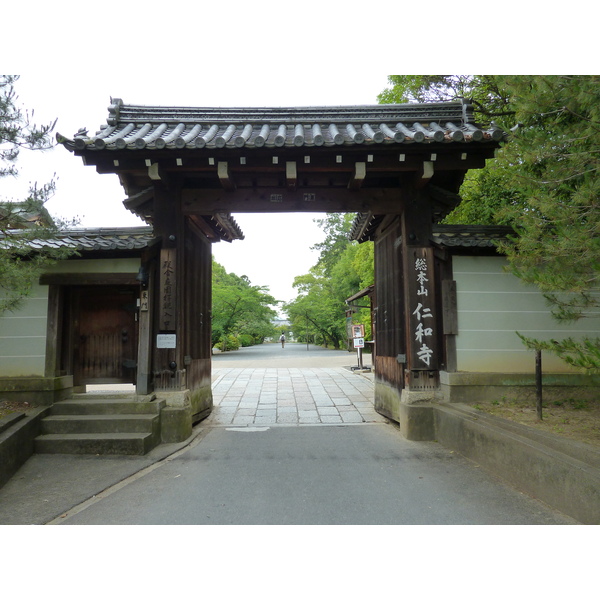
x=138, y=127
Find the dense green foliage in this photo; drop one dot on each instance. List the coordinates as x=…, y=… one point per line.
x=554, y=158
x=544, y=183
x=343, y=268
x=484, y=192
x=487, y=95
x=242, y=313
x=19, y=267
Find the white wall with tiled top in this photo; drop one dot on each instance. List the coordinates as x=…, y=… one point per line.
x=492, y=306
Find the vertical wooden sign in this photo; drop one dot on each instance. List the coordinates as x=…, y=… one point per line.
x=168, y=290
x=421, y=310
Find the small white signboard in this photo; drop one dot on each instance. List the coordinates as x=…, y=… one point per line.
x=166, y=340
x=359, y=342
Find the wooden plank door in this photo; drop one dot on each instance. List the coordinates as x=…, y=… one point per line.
x=105, y=344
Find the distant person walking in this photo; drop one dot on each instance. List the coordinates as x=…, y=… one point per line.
x=282, y=340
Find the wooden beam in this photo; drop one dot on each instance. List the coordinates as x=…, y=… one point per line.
x=424, y=174
x=202, y=229
x=449, y=307
x=136, y=201
x=360, y=172
x=225, y=224
x=225, y=176
x=300, y=199
x=155, y=172
x=365, y=226
x=291, y=174
x=322, y=159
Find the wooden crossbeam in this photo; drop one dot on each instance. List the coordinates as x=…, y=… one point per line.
x=225, y=176
x=360, y=172
x=155, y=172
x=291, y=174
x=424, y=174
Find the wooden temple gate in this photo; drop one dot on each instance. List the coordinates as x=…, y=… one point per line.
x=185, y=170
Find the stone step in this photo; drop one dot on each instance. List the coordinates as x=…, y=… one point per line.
x=106, y=406
x=95, y=424
x=117, y=423
x=94, y=443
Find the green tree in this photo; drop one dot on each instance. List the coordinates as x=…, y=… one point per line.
x=22, y=222
x=484, y=191
x=488, y=96
x=554, y=158
x=318, y=305
x=486, y=195
x=544, y=183
x=337, y=227
x=240, y=310
x=343, y=268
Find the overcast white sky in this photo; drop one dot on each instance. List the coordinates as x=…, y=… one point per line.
x=277, y=246
x=74, y=56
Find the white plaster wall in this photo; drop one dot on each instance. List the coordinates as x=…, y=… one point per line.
x=23, y=337
x=492, y=306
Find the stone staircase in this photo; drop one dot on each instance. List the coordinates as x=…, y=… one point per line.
x=96, y=424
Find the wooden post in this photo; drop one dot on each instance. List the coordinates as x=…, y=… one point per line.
x=144, y=362
x=168, y=359
x=538, y=383
x=53, y=331
x=422, y=346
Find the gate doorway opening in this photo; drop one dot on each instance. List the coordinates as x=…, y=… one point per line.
x=275, y=250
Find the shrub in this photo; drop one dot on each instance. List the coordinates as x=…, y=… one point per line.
x=229, y=342
x=246, y=340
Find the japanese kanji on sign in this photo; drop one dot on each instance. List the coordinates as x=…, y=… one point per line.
x=422, y=310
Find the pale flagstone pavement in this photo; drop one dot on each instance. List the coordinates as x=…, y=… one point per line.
x=291, y=396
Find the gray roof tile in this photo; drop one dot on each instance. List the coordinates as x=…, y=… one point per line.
x=136, y=238
x=131, y=238
x=157, y=128
x=446, y=236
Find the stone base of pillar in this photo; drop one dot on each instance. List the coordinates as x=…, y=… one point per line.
x=176, y=417
x=417, y=396
x=202, y=403
x=413, y=411
x=417, y=422
x=184, y=409
x=175, y=424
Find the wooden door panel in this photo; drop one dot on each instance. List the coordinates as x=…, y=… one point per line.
x=106, y=336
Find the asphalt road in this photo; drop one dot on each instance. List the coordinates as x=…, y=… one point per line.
x=310, y=474
x=314, y=475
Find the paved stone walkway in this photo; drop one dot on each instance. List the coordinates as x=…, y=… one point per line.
x=291, y=396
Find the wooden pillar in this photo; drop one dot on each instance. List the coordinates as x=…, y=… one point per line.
x=390, y=358
x=54, y=331
x=197, y=305
x=168, y=367
x=182, y=358
x=144, y=382
x=422, y=335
